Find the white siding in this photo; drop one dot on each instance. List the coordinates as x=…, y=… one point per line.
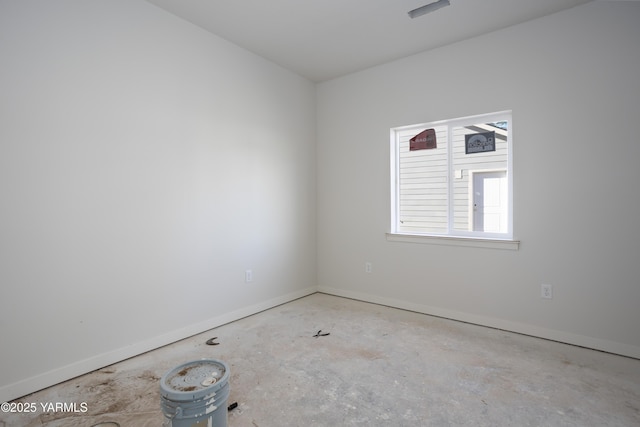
x=422, y=177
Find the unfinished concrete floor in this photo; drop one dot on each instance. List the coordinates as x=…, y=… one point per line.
x=378, y=367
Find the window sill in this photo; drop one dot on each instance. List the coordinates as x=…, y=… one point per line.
x=472, y=242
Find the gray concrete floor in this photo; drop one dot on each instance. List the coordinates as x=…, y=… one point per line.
x=378, y=367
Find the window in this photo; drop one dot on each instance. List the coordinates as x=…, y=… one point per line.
x=453, y=178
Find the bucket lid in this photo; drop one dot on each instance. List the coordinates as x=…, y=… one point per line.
x=194, y=380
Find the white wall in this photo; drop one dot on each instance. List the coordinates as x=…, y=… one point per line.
x=572, y=82
x=144, y=165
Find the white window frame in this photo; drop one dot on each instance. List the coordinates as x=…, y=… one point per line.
x=453, y=236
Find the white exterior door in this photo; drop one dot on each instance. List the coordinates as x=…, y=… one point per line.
x=490, y=201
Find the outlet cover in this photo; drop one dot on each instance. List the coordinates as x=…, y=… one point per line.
x=546, y=291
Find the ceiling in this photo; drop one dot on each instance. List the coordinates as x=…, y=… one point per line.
x=323, y=39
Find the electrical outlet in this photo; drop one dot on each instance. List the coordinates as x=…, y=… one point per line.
x=546, y=291
x=248, y=276
x=368, y=267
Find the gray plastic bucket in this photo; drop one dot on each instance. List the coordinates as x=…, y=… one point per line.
x=195, y=394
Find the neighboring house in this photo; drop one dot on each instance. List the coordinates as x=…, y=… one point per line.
x=478, y=167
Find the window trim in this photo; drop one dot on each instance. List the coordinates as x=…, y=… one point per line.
x=445, y=240
x=453, y=237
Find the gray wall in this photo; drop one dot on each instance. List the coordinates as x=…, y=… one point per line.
x=572, y=82
x=144, y=165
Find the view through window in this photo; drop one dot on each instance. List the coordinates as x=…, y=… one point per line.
x=453, y=177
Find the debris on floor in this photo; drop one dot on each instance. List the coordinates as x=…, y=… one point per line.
x=233, y=406
x=320, y=334
x=212, y=341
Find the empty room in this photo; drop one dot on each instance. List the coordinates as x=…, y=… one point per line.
x=364, y=212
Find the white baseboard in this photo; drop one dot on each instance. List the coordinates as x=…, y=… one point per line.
x=81, y=367
x=521, y=328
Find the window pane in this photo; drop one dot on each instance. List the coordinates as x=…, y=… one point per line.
x=479, y=177
x=422, y=175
